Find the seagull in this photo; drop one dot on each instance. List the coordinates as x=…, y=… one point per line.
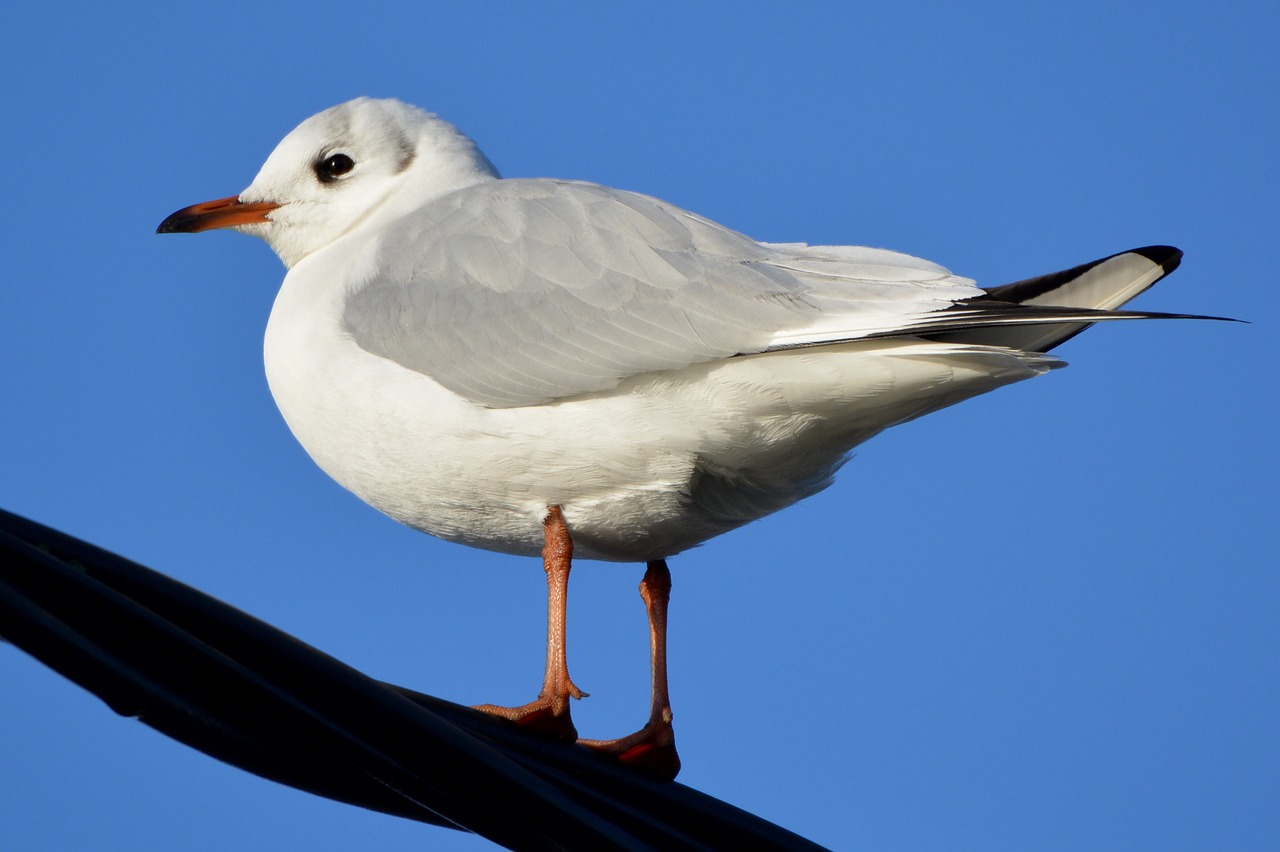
x=555, y=367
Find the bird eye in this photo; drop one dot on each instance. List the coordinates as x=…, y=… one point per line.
x=333, y=167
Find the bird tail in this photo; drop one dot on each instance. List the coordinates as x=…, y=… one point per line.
x=1102, y=285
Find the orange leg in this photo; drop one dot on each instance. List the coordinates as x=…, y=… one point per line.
x=652, y=749
x=549, y=712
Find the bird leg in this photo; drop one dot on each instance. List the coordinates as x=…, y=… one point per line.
x=549, y=712
x=652, y=749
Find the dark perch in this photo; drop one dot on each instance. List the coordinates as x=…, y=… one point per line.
x=242, y=691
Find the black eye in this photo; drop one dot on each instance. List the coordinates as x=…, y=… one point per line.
x=333, y=167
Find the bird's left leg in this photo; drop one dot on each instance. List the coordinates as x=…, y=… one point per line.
x=652, y=749
x=549, y=712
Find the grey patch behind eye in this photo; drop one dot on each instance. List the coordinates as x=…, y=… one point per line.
x=406, y=150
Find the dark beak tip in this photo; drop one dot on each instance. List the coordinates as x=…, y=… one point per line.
x=179, y=222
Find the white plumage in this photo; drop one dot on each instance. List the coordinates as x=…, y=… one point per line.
x=466, y=352
x=463, y=351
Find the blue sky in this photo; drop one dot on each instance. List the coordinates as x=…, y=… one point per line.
x=1043, y=619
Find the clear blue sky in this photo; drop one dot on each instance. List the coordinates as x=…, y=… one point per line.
x=1046, y=618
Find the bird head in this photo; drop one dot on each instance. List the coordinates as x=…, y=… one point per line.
x=357, y=162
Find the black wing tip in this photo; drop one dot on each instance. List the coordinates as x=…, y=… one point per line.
x=1167, y=258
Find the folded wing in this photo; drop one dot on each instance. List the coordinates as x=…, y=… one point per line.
x=520, y=292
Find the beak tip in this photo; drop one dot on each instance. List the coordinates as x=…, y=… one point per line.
x=185, y=221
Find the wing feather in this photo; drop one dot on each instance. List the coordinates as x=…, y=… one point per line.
x=519, y=292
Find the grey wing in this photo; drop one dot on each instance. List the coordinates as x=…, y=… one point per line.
x=518, y=292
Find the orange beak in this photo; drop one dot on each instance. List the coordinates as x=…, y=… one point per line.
x=221, y=213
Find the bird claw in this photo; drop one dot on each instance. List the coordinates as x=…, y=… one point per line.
x=650, y=750
x=544, y=716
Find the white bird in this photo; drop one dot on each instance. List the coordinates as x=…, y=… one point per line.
x=530, y=365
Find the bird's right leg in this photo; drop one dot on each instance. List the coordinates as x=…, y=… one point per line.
x=549, y=712
x=652, y=749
